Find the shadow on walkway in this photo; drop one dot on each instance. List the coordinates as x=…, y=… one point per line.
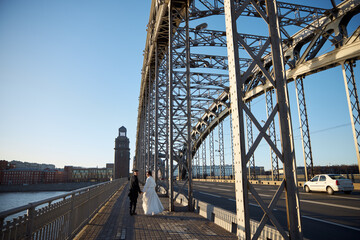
x=114, y=222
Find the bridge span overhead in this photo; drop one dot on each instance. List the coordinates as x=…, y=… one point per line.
x=206, y=61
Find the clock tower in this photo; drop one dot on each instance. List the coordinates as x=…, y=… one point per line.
x=122, y=155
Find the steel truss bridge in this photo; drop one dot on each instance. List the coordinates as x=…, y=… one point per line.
x=193, y=78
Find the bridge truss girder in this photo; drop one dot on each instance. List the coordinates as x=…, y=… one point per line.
x=210, y=98
x=240, y=110
x=290, y=14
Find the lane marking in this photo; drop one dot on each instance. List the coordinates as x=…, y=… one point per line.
x=319, y=203
x=306, y=201
x=331, y=205
x=350, y=198
x=265, y=195
x=251, y=204
x=268, y=190
x=226, y=190
x=332, y=223
x=311, y=218
x=123, y=234
x=254, y=205
x=210, y=194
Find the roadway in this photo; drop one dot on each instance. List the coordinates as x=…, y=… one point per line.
x=323, y=216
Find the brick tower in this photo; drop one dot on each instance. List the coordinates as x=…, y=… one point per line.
x=122, y=155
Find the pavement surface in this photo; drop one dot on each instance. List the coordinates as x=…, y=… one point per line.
x=113, y=221
x=323, y=216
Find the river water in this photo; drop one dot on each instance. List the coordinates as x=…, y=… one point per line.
x=11, y=200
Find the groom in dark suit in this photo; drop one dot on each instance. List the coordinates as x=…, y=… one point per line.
x=134, y=192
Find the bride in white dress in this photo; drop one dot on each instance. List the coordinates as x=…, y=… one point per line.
x=151, y=202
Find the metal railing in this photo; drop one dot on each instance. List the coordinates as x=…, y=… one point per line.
x=59, y=217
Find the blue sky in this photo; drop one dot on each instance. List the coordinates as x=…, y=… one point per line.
x=70, y=77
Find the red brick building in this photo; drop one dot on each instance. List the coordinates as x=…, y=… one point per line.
x=21, y=176
x=10, y=175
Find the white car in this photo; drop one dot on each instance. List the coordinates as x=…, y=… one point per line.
x=329, y=183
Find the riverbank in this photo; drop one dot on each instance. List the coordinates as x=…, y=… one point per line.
x=45, y=187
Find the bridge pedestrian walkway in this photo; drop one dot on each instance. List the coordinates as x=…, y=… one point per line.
x=113, y=221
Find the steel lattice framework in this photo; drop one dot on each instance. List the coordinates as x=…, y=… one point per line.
x=185, y=92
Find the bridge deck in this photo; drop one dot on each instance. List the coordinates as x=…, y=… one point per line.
x=113, y=221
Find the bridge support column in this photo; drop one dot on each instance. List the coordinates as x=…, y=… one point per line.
x=232, y=147
x=221, y=150
x=286, y=135
x=304, y=126
x=237, y=105
x=250, y=141
x=179, y=106
x=197, y=164
x=156, y=120
x=212, y=157
x=203, y=157
x=188, y=113
x=143, y=162
x=353, y=103
x=150, y=122
x=170, y=114
x=166, y=81
x=238, y=82
x=275, y=174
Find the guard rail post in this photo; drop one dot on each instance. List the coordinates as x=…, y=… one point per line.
x=29, y=226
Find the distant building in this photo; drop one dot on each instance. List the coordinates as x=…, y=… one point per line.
x=4, y=165
x=79, y=174
x=30, y=176
x=11, y=175
x=122, y=155
x=38, y=166
x=299, y=170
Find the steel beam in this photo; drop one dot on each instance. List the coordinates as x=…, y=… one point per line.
x=197, y=164
x=156, y=120
x=232, y=148
x=250, y=142
x=242, y=201
x=221, y=150
x=149, y=123
x=304, y=126
x=278, y=80
x=170, y=109
x=353, y=103
x=203, y=157
x=179, y=102
x=188, y=113
x=275, y=174
x=291, y=192
x=212, y=157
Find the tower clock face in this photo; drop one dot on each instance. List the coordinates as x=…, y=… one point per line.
x=122, y=134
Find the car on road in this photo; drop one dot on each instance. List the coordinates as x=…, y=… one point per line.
x=329, y=183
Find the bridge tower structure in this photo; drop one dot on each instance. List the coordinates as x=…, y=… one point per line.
x=195, y=77
x=122, y=155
